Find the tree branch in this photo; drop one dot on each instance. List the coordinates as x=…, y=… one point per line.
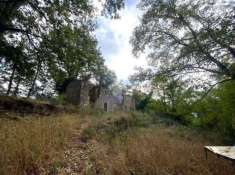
x=212, y=87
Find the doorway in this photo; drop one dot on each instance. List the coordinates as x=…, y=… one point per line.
x=106, y=107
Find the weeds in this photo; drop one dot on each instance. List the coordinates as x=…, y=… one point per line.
x=32, y=145
x=135, y=149
x=122, y=144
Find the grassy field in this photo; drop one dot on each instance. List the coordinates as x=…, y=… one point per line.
x=33, y=145
x=131, y=144
x=117, y=144
x=158, y=151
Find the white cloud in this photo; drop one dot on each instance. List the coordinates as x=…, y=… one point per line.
x=114, y=36
x=98, y=4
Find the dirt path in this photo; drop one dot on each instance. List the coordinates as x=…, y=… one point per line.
x=77, y=154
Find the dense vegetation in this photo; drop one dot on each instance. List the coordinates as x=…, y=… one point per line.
x=141, y=144
x=191, y=53
x=44, y=44
x=92, y=143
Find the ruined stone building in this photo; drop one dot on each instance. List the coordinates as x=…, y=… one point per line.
x=84, y=93
x=77, y=92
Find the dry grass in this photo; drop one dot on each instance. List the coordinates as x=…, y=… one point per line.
x=33, y=145
x=158, y=151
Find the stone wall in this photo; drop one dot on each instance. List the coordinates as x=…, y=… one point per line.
x=111, y=102
x=128, y=103
x=72, y=92
x=84, y=93
x=77, y=92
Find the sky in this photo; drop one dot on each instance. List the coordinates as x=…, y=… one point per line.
x=113, y=37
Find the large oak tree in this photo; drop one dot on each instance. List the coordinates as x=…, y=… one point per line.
x=187, y=37
x=26, y=26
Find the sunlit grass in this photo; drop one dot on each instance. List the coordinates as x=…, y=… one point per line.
x=159, y=150
x=122, y=144
x=33, y=145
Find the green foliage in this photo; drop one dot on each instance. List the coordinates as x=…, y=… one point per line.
x=155, y=105
x=105, y=77
x=173, y=95
x=186, y=37
x=112, y=7
x=110, y=125
x=142, y=100
x=140, y=119
x=217, y=111
x=48, y=42
x=60, y=99
x=88, y=134
x=73, y=54
x=91, y=111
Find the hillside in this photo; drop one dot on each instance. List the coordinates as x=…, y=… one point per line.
x=93, y=143
x=24, y=107
x=117, y=87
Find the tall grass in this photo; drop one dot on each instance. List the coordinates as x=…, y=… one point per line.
x=159, y=150
x=32, y=145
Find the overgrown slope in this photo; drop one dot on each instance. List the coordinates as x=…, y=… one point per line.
x=95, y=143
x=24, y=107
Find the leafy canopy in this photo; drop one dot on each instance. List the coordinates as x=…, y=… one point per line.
x=187, y=36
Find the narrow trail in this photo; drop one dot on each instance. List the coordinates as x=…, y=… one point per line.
x=77, y=154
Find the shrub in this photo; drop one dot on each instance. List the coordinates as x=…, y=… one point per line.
x=88, y=133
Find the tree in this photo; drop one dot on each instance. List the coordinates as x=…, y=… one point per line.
x=24, y=16
x=216, y=111
x=105, y=77
x=142, y=100
x=72, y=55
x=25, y=24
x=174, y=94
x=16, y=66
x=187, y=37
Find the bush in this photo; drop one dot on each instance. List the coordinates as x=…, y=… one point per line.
x=216, y=112
x=91, y=111
x=60, y=99
x=88, y=133
x=139, y=119
x=109, y=125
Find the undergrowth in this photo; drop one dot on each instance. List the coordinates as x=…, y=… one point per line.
x=33, y=145
x=132, y=144
x=122, y=143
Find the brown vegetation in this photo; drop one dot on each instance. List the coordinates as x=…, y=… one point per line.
x=23, y=107
x=117, y=144
x=33, y=145
x=159, y=150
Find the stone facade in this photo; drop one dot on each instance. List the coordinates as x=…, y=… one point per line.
x=108, y=102
x=83, y=93
x=77, y=92
x=128, y=103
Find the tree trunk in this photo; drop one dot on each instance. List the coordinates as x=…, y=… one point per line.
x=17, y=87
x=164, y=101
x=34, y=79
x=11, y=80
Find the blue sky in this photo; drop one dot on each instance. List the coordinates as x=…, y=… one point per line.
x=113, y=37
